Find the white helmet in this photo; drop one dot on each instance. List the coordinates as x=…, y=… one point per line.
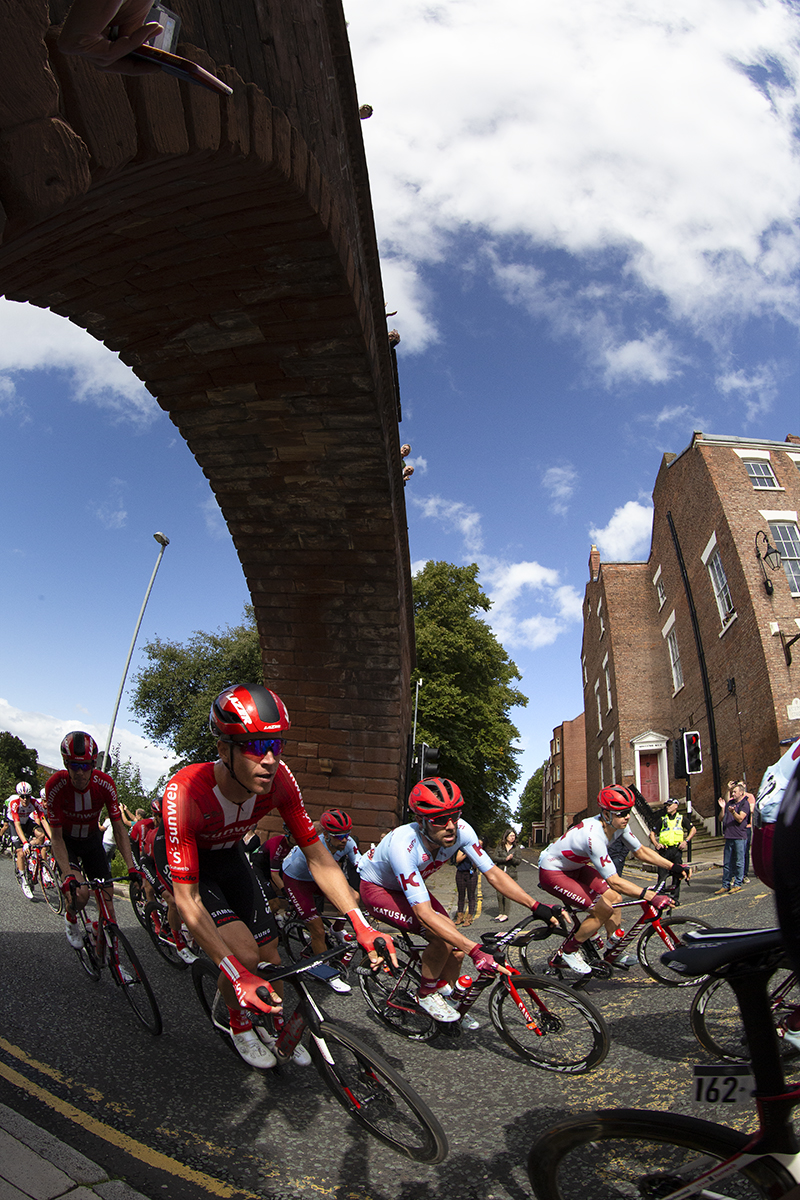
x=23, y=789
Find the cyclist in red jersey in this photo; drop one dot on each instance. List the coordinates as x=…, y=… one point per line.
x=74, y=799
x=207, y=808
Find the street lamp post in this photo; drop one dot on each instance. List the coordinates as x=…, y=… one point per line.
x=163, y=542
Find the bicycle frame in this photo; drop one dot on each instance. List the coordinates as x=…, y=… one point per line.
x=649, y=916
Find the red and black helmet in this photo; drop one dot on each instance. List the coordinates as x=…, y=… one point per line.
x=616, y=799
x=336, y=821
x=246, y=710
x=155, y=807
x=79, y=747
x=434, y=797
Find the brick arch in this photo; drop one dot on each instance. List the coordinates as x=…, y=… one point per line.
x=225, y=249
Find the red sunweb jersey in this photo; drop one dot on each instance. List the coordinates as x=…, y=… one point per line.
x=139, y=831
x=198, y=817
x=76, y=813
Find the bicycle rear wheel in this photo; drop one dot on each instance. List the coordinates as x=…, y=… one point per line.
x=560, y=1031
x=652, y=945
x=717, y=1022
x=625, y=1154
x=138, y=899
x=205, y=977
x=87, y=955
x=296, y=939
x=157, y=926
x=394, y=1000
x=50, y=880
x=377, y=1097
x=127, y=973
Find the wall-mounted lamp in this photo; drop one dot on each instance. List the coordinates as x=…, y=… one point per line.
x=772, y=556
x=787, y=644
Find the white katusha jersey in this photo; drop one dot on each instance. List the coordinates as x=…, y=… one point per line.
x=401, y=861
x=296, y=864
x=585, y=844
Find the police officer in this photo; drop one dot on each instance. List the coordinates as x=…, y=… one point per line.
x=672, y=841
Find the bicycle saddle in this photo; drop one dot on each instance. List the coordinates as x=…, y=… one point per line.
x=711, y=949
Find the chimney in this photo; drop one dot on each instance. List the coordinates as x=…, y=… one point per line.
x=594, y=563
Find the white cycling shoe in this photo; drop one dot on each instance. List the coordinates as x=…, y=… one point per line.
x=74, y=934
x=253, y=1050
x=792, y=1037
x=437, y=1007
x=185, y=953
x=576, y=962
x=300, y=1055
x=468, y=1022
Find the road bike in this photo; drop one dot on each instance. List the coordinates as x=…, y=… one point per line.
x=545, y=1024
x=104, y=944
x=138, y=899
x=375, y=1095
x=296, y=940
x=655, y=934
x=717, y=1024
x=156, y=922
x=614, y=1154
x=42, y=868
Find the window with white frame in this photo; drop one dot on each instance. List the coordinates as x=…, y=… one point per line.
x=612, y=759
x=556, y=802
x=585, y=673
x=719, y=582
x=675, y=660
x=660, y=592
x=600, y=617
x=607, y=675
x=599, y=709
x=786, y=537
x=602, y=771
x=761, y=474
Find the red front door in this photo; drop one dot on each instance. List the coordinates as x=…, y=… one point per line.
x=648, y=773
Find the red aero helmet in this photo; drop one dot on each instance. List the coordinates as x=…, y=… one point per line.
x=616, y=799
x=336, y=821
x=246, y=710
x=79, y=747
x=432, y=797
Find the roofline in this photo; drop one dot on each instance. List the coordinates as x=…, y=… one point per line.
x=725, y=439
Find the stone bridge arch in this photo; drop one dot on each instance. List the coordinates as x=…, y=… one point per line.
x=225, y=248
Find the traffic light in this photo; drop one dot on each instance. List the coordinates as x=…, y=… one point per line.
x=692, y=752
x=679, y=755
x=428, y=761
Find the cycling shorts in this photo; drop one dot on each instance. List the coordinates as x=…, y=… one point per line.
x=229, y=888
x=306, y=897
x=28, y=828
x=581, y=888
x=393, y=907
x=148, y=868
x=88, y=855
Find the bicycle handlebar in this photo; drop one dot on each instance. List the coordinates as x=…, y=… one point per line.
x=269, y=973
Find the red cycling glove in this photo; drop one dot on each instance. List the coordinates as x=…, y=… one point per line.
x=482, y=960
x=365, y=934
x=66, y=886
x=247, y=986
x=659, y=902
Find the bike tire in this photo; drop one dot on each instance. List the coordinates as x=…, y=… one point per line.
x=296, y=939
x=122, y=961
x=138, y=899
x=717, y=1022
x=50, y=880
x=87, y=954
x=377, y=1097
x=394, y=1002
x=205, y=977
x=570, y=1037
x=155, y=916
x=651, y=946
x=612, y=1154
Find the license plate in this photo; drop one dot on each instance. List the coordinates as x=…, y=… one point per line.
x=723, y=1083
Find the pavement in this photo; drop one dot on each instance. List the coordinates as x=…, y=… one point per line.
x=34, y=1165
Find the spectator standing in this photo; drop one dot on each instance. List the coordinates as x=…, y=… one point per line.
x=507, y=858
x=735, y=818
x=672, y=842
x=751, y=800
x=466, y=888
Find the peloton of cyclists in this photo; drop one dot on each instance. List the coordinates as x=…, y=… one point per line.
x=207, y=808
x=28, y=826
x=577, y=867
x=74, y=799
x=393, y=875
x=298, y=882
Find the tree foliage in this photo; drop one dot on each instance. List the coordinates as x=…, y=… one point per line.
x=18, y=764
x=128, y=782
x=467, y=692
x=174, y=692
x=530, y=803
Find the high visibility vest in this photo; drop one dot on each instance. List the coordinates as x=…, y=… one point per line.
x=671, y=831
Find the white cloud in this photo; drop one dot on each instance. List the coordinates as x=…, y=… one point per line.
x=560, y=483
x=454, y=516
x=43, y=733
x=758, y=388
x=111, y=512
x=649, y=359
x=652, y=137
x=34, y=339
x=214, y=520
x=626, y=537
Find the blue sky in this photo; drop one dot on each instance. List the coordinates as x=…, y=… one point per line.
x=588, y=217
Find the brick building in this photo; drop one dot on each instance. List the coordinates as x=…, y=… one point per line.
x=697, y=636
x=564, y=778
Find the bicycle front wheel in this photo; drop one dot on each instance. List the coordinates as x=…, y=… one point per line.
x=127, y=973
x=138, y=899
x=87, y=954
x=652, y=944
x=51, y=885
x=717, y=1022
x=376, y=1096
x=394, y=1000
x=625, y=1154
x=556, y=1029
x=157, y=926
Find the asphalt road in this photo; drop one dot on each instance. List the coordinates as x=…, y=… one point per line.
x=156, y=1110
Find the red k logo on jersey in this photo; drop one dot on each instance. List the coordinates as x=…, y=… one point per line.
x=605, y=860
x=409, y=881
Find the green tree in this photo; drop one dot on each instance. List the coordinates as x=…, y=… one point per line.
x=173, y=693
x=128, y=782
x=466, y=692
x=17, y=763
x=530, y=803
